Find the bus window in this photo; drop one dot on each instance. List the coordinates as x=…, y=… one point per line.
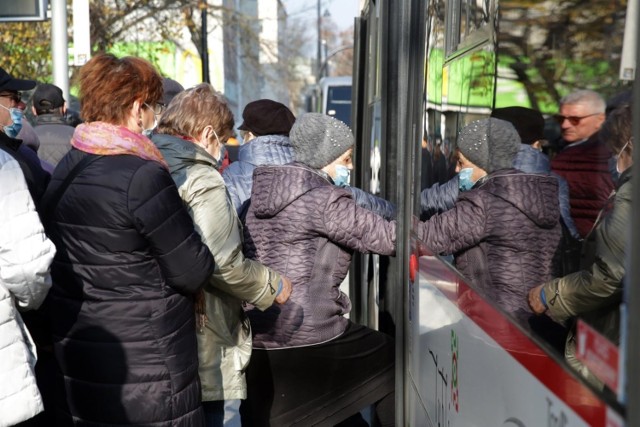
x=339, y=103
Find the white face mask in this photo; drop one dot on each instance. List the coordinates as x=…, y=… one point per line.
x=149, y=132
x=617, y=157
x=220, y=155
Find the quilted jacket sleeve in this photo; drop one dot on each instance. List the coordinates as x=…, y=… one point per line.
x=357, y=228
x=457, y=229
x=162, y=218
x=601, y=285
x=218, y=224
x=375, y=204
x=439, y=197
x=25, y=251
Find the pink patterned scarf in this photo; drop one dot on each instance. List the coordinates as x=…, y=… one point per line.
x=111, y=140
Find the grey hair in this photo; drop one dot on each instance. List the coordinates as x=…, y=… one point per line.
x=588, y=97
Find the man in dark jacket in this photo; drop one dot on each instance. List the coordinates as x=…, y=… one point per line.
x=11, y=117
x=52, y=129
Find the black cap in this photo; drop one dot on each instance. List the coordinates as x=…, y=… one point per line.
x=267, y=117
x=528, y=123
x=170, y=88
x=47, y=97
x=9, y=83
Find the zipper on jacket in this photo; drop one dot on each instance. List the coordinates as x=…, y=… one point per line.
x=552, y=301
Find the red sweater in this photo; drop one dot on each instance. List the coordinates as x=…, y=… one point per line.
x=586, y=168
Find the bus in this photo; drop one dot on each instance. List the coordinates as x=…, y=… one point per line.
x=332, y=96
x=422, y=70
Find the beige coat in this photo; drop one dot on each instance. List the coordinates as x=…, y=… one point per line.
x=224, y=345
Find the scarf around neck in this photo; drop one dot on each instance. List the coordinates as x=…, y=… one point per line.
x=111, y=140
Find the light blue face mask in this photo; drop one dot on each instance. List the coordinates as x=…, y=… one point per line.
x=14, y=128
x=465, y=183
x=342, y=176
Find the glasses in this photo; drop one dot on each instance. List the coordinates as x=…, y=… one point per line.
x=14, y=96
x=574, y=120
x=157, y=109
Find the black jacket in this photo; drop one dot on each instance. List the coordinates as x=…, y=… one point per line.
x=122, y=316
x=36, y=177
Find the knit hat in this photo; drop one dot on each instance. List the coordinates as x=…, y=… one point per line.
x=528, y=123
x=490, y=144
x=47, y=97
x=170, y=88
x=267, y=117
x=318, y=139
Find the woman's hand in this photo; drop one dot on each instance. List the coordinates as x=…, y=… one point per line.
x=535, y=300
x=284, y=294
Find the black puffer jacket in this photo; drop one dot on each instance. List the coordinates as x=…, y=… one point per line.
x=121, y=308
x=306, y=228
x=504, y=234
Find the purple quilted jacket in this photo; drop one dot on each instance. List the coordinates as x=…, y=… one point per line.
x=504, y=235
x=306, y=228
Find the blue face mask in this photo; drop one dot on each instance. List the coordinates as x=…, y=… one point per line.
x=14, y=128
x=342, y=176
x=465, y=183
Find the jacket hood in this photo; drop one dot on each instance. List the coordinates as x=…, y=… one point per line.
x=179, y=153
x=276, y=187
x=267, y=150
x=531, y=160
x=534, y=195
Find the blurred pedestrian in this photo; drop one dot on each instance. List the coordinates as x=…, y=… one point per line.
x=128, y=264
x=53, y=130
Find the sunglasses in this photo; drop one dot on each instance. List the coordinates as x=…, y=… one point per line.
x=574, y=120
x=14, y=96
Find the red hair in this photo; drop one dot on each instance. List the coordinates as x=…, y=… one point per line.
x=109, y=86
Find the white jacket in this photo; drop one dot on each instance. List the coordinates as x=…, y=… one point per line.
x=25, y=256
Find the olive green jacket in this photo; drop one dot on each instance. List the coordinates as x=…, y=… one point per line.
x=595, y=294
x=224, y=345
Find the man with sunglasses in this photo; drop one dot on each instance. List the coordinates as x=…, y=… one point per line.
x=584, y=161
x=11, y=117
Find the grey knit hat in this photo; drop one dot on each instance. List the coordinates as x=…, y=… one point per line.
x=490, y=144
x=318, y=139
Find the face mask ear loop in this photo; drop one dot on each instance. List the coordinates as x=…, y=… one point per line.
x=216, y=135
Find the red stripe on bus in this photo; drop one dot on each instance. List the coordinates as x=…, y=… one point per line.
x=534, y=359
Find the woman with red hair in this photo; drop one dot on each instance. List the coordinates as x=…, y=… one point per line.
x=128, y=262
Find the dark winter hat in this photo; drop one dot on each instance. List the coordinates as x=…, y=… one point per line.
x=318, y=139
x=170, y=88
x=528, y=123
x=267, y=117
x=9, y=83
x=490, y=144
x=47, y=97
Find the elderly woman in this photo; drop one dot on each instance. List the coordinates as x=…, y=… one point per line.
x=596, y=292
x=504, y=229
x=310, y=364
x=189, y=136
x=129, y=261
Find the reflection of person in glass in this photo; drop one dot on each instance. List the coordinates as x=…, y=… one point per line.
x=596, y=292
